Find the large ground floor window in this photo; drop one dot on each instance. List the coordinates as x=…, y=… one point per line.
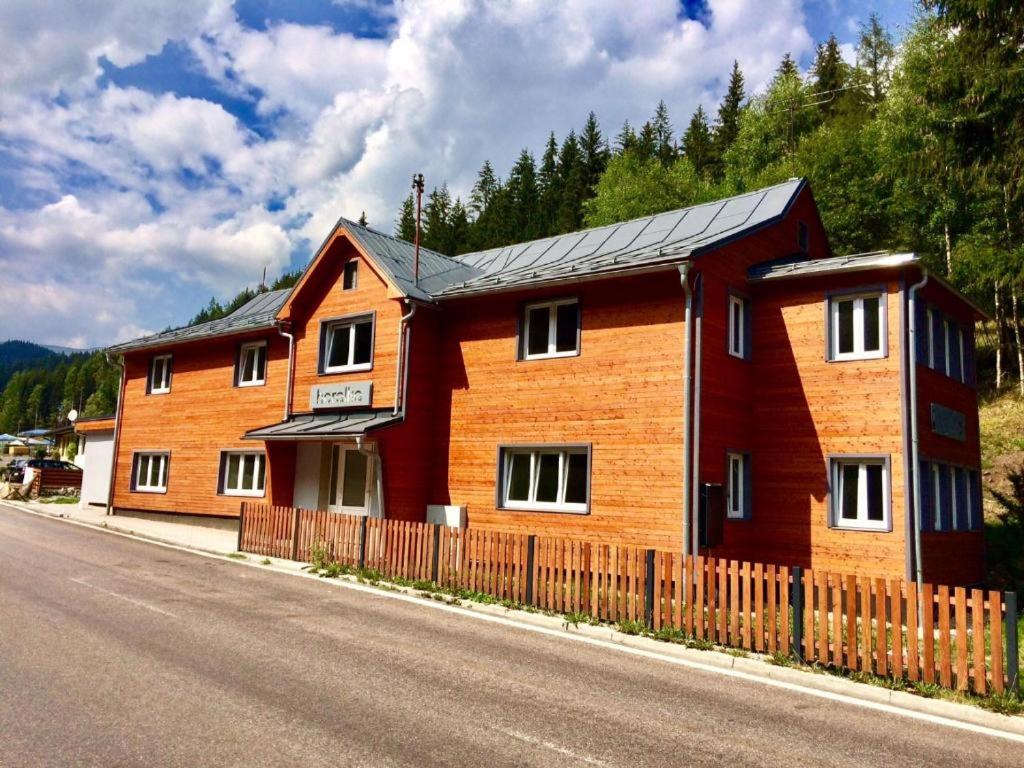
x=544, y=478
x=860, y=493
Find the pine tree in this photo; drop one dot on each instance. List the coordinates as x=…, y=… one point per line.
x=483, y=190
x=522, y=186
x=573, y=185
x=787, y=67
x=362, y=219
x=405, y=226
x=437, y=220
x=728, y=126
x=595, y=153
x=626, y=140
x=646, y=146
x=549, y=187
x=697, y=146
x=874, y=57
x=829, y=75
x=664, y=143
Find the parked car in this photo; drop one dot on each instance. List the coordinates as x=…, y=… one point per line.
x=16, y=473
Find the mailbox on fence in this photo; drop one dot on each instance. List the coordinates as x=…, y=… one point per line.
x=711, y=519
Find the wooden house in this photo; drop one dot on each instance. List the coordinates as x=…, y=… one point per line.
x=712, y=379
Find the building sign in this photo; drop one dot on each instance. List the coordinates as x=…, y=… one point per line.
x=948, y=423
x=351, y=395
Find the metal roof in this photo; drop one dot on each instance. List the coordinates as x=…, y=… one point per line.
x=258, y=313
x=397, y=257
x=664, y=238
x=797, y=266
x=325, y=425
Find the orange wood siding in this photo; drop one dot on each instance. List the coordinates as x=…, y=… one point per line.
x=86, y=426
x=323, y=299
x=202, y=414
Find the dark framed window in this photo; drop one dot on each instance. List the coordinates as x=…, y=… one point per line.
x=346, y=344
x=159, y=380
x=860, y=494
x=857, y=326
x=950, y=497
x=550, y=329
x=803, y=237
x=740, y=326
x=149, y=471
x=738, y=486
x=242, y=473
x=350, y=275
x=251, y=364
x=544, y=478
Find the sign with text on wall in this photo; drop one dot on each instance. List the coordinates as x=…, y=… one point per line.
x=350, y=395
x=948, y=423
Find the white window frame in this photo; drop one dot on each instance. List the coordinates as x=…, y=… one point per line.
x=858, y=353
x=862, y=522
x=138, y=485
x=552, y=307
x=165, y=379
x=737, y=334
x=535, y=452
x=259, y=468
x=936, y=481
x=962, y=342
x=930, y=320
x=350, y=323
x=735, y=507
x=260, y=350
x=947, y=329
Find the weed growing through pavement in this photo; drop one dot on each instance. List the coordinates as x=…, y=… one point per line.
x=237, y=556
x=265, y=561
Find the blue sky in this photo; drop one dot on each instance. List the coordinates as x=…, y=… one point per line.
x=153, y=154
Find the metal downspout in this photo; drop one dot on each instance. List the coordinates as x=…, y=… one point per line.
x=684, y=279
x=288, y=384
x=117, y=433
x=914, y=446
x=402, y=372
x=698, y=322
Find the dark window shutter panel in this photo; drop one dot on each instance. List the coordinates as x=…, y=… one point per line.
x=220, y=472
x=321, y=362
x=963, y=500
x=939, y=340
x=520, y=327
x=974, y=489
x=748, y=487
x=149, y=376
x=238, y=364
x=829, y=354
x=946, y=500
x=954, y=345
x=926, y=496
x=970, y=372
x=748, y=329
x=921, y=331
x=170, y=370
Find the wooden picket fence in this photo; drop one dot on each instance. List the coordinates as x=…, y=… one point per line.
x=958, y=638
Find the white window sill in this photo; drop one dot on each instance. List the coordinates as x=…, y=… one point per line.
x=574, y=509
x=249, y=494
x=552, y=355
x=863, y=527
x=850, y=356
x=149, y=490
x=350, y=368
x=259, y=383
x=160, y=391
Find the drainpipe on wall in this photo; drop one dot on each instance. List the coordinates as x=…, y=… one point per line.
x=288, y=384
x=117, y=432
x=684, y=279
x=914, y=447
x=698, y=321
x=402, y=372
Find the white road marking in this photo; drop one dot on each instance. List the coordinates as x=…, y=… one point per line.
x=852, y=701
x=564, y=751
x=127, y=599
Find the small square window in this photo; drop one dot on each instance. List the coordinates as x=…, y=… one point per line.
x=149, y=475
x=860, y=493
x=347, y=345
x=243, y=473
x=857, y=327
x=159, y=381
x=251, y=368
x=350, y=278
x=551, y=329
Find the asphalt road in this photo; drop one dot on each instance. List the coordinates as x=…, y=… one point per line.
x=120, y=653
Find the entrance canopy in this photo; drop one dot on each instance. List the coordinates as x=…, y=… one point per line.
x=325, y=426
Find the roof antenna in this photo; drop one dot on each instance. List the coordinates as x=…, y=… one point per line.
x=417, y=184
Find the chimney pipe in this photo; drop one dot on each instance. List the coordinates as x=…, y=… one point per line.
x=417, y=184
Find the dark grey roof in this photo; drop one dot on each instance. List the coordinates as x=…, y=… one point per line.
x=312, y=426
x=256, y=314
x=397, y=257
x=664, y=238
x=797, y=266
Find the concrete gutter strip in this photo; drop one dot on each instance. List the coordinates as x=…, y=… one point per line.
x=752, y=666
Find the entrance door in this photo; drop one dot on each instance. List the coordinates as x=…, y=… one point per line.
x=350, y=481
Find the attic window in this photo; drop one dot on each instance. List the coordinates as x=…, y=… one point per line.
x=550, y=329
x=349, y=279
x=803, y=237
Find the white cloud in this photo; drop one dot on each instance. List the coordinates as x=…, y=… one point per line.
x=176, y=191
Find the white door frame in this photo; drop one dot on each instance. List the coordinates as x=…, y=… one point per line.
x=336, y=477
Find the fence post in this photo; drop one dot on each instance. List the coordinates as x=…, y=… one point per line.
x=649, y=591
x=362, y=542
x=241, y=526
x=531, y=547
x=1012, y=658
x=797, y=624
x=295, y=533
x=437, y=552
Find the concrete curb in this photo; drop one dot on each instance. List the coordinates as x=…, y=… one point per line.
x=753, y=665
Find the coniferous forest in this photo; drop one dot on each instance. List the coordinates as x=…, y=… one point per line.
x=917, y=145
